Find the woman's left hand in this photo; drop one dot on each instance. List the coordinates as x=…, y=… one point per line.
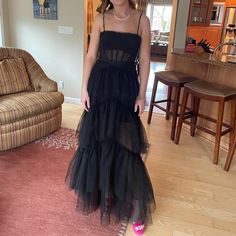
x=139, y=105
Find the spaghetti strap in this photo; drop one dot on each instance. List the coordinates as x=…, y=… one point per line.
x=139, y=22
x=103, y=22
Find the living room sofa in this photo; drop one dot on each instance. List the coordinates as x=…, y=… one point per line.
x=30, y=104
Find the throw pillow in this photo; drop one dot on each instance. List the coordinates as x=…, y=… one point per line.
x=13, y=76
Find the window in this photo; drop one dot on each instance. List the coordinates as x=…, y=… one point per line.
x=160, y=17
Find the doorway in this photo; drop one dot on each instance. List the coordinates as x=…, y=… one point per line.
x=160, y=19
x=159, y=14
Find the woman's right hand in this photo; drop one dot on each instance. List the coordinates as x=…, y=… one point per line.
x=85, y=100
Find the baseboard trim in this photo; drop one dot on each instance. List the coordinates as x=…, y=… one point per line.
x=72, y=100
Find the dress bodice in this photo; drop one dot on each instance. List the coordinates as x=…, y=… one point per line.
x=119, y=47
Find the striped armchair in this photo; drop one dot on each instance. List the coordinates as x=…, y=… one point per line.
x=30, y=104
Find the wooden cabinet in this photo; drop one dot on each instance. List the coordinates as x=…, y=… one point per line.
x=211, y=33
x=200, y=12
x=231, y=3
x=203, y=30
x=196, y=32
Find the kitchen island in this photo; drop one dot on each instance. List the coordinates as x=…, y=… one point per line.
x=206, y=68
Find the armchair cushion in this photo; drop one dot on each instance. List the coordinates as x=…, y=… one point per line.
x=14, y=77
x=14, y=107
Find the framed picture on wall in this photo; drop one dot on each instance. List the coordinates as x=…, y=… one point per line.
x=45, y=9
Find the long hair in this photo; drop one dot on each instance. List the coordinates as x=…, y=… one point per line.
x=107, y=5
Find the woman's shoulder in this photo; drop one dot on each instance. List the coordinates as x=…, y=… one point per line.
x=142, y=16
x=98, y=20
x=144, y=20
x=108, y=13
x=99, y=17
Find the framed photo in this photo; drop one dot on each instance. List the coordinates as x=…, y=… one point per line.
x=197, y=1
x=45, y=9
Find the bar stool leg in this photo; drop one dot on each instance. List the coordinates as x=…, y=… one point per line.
x=232, y=137
x=218, y=130
x=168, y=102
x=232, y=122
x=154, y=90
x=230, y=155
x=195, y=108
x=175, y=112
x=181, y=116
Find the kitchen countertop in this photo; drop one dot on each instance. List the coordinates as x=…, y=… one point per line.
x=205, y=58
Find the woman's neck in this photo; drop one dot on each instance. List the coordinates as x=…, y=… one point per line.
x=122, y=11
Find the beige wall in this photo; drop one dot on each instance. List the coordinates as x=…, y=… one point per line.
x=60, y=55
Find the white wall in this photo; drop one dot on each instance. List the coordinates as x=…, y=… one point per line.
x=181, y=23
x=61, y=56
x=170, y=59
x=161, y=2
x=3, y=23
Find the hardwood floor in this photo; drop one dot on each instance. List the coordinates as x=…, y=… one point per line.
x=193, y=196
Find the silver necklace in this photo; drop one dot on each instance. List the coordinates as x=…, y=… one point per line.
x=119, y=18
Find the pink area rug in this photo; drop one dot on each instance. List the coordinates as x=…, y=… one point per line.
x=34, y=199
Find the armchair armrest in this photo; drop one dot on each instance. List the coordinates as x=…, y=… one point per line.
x=39, y=81
x=44, y=84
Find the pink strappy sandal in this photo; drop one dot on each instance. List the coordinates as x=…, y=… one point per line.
x=138, y=227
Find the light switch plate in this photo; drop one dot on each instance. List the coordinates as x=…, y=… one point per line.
x=65, y=30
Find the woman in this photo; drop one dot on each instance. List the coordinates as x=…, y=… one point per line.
x=107, y=170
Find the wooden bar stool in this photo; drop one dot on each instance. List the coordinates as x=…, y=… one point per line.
x=172, y=79
x=230, y=154
x=212, y=92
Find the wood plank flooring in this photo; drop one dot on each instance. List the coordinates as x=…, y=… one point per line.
x=193, y=196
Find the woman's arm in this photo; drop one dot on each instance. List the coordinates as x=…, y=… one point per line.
x=144, y=62
x=90, y=59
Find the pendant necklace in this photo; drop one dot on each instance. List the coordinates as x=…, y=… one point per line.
x=119, y=18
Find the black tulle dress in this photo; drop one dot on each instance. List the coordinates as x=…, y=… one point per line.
x=107, y=171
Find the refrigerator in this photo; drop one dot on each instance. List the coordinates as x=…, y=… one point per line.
x=229, y=30
x=229, y=22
